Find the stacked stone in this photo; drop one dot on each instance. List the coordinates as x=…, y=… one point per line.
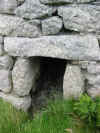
x=64, y=29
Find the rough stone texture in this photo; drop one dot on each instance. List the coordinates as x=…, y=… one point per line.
x=5, y=81
x=84, y=1
x=51, y=25
x=1, y=46
x=20, y=2
x=21, y=103
x=94, y=92
x=34, y=9
x=65, y=1
x=83, y=64
x=24, y=75
x=66, y=31
x=67, y=47
x=15, y=26
x=73, y=85
x=83, y=18
x=56, y=1
x=6, y=62
x=93, y=68
x=8, y=6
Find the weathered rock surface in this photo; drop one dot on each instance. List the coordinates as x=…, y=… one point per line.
x=56, y=1
x=1, y=46
x=94, y=91
x=73, y=85
x=84, y=64
x=8, y=6
x=51, y=25
x=94, y=80
x=6, y=62
x=71, y=47
x=93, y=68
x=5, y=81
x=15, y=26
x=65, y=1
x=34, y=9
x=20, y=2
x=24, y=75
x=84, y=1
x=82, y=18
x=21, y=103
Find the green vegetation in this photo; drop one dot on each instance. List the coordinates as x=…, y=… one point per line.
x=61, y=116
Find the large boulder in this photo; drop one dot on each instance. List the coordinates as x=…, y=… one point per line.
x=82, y=18
x=5, y=81
x=52, y=25
x=34, y=9
x=8, y=6
x=71, y=47
x=15, y=26
x=21, y=103
x=24, y=76
x=73, y=85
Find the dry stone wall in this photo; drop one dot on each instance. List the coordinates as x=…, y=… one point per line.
x=68, y=30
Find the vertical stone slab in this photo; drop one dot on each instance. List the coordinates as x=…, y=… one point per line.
x=23, y=76
x=73, y=85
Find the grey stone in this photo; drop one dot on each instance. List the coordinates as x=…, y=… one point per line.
x=93, y=68
x=6, y=62
x=8, y=6
x=73, y=85
x=34, y=9
x=82, y=18
x=5, y=81
x=56, y=1
x=73, y=47
x=36, y=22
x=51, y=25
x=94, y=92
x=20, y=2
x=21, y=103
x=84, y=1
x=1, y=46
x=24, y=75
x=15, y=26
x=93, y=80
x=90, y=78
x=84, y=64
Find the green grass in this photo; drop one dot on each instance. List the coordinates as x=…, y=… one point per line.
x=56, y=118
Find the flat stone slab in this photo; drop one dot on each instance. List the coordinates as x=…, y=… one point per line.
x=71, y=47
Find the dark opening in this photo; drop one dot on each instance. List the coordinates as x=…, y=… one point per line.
x=50, y=80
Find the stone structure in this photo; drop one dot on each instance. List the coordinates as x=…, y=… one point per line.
x=49, y=45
